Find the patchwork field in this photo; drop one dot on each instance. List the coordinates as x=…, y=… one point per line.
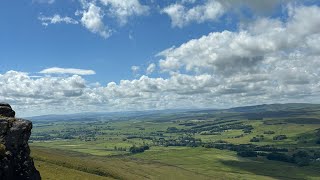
x=228, y=144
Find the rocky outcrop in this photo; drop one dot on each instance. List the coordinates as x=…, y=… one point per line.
x=15, y=160
x=6, y=110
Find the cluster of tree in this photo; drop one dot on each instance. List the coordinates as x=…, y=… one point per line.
x=140, y=137
x=187, y=124
x=279, y=137
x=134, y=149
x=187, y=140
x=301, y=158
x=243, y=147
x=276, y=156
x=257, y=138
x=172, y=130
x=120, y=148
x=247, y=153
x=213, y=124
x=217, y=128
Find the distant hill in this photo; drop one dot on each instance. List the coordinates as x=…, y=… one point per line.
x=257, y=111
x=275, y=107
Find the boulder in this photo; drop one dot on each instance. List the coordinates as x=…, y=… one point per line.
x=6, y=110
x=15, y=160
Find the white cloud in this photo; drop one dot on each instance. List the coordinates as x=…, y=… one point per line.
x=33, y=94
x=181, y=15
x=257, y=7
x=188, y=1
x=151, y=68
x=135, y=69
x=93, y=13
x=92, y=19
x=266, y=61
x=246, y=51
x=185, y=12
x=44, y=1
x=56, y=70
x=123, y=9
x=56, y=19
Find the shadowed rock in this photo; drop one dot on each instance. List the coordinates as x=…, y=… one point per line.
x=6, y=110
x=15, y=160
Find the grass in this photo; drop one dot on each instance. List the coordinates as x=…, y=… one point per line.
x=97, y=158
x=105, y=167
x=50, y=171
x=166, y=163
x=2, y=150
x=219, y=163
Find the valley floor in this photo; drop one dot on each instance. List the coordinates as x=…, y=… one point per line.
x=262, y=142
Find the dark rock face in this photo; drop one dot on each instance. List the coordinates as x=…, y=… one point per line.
x=6, y=111
x=15, y=162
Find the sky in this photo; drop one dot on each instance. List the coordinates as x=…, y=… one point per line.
x=70, y=56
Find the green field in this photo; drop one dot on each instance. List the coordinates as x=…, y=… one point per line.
x=183, y=145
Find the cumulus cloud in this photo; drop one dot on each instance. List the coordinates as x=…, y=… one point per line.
x=243, y=51
x=185, y=12
x=57, y=70
x=266, y=61
x=93, y=13
x=20, y=88
x=257, y=7
x=151, y=68
x=92, y=19
x=56, y=19
x=123, y=9
x=181, y=15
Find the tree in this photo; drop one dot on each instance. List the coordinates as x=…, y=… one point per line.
x=279, y=157
x=247, y=154
x=134, y=149
x=301, y=158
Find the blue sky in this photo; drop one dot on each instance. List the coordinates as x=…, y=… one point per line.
x=114, y=55
x=29, y=46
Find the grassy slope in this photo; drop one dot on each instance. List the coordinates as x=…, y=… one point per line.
x=51, y=171
x=166, y=163
x=217, y=163
x=117, y=168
